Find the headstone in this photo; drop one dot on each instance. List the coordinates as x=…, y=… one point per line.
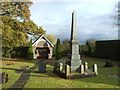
x=42, y=67
x=67, y=70
x=74, y=57
x=61, y=66
x=108, y=64
x=86, y=66
x=81, y=70
x=3, y=78
x=95, y=68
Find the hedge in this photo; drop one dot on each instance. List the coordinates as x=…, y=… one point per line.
x=108, y=49
x=15, y=52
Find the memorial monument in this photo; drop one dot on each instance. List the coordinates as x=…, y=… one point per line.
x=75, y=61
x=73, y=67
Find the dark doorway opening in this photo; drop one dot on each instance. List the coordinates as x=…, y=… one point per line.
x=42, y=52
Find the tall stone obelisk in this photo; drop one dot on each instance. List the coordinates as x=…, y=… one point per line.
x=74, y=57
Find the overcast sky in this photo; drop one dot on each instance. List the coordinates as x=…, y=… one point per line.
x=94, y=18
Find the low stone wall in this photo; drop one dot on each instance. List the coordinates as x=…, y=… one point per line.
x=74, y=75
x=61, y=74
x=79, y=75
x=83, y=71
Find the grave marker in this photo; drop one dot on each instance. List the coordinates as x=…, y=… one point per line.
x=74, y=57
x=42, y=67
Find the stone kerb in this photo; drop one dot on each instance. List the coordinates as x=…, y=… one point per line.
x=67, y=74
x=81, y=69
x=95, y=69
x=67, y=70
x=60, y=66
x=86, y=66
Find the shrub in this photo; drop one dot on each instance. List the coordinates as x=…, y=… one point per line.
x=84, y=49
x=20, y=51
x=91, y=47
x=13, y=52
x=108, y=64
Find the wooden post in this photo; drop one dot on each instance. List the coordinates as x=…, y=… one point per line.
x=81, y=69
x=86, y=66
x=95, y=68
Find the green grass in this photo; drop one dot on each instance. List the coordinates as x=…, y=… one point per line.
x=51, y=80
x=10, y=70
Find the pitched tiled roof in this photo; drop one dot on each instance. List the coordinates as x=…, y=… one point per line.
x=42, y=36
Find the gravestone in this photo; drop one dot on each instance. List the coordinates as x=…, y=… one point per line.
x=3, y=78
x=75, y=61
x=108, y=64
x=42, y=67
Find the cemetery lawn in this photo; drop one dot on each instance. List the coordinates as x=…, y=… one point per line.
x=51, y=80
x=11, y=69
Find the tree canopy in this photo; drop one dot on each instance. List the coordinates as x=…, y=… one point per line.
x=16, y=9
x=12, y=34
x=16, y=23
x=51, y=38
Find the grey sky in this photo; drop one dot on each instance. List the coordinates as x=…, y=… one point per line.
x=94, y=18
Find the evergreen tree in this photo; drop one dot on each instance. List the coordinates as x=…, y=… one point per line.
x=58, y=54
x=30, y=51
x=91, y=47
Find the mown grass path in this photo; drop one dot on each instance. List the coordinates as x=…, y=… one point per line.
x=24, y=77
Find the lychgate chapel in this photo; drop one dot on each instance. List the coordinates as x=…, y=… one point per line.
x=42, y=48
